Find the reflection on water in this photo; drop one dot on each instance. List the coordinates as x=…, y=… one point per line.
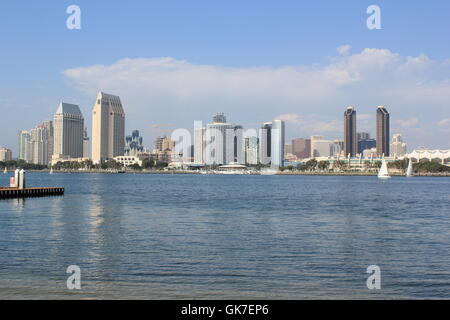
x=219, y=237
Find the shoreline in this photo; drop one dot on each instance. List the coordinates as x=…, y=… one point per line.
x=281, y=173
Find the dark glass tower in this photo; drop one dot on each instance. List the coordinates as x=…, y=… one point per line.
x=383, y=131
x=350, y=140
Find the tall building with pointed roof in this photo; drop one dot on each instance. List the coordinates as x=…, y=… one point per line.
x=68, y=124
x=108, y=128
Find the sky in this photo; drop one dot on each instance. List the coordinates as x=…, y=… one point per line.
x=175, y=62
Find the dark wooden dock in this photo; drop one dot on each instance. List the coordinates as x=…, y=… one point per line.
x=8, y=193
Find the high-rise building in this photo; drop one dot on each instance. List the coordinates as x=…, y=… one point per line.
x=133, y=144
x=86, y=145
x=265, y=143
x=5, y=154
x=199, y=145
x=278, y=143
x=383, y=134
x=68, y=131
x=224, y=142
x=350, y=141
x=324, y=148
x=398, y=147
x=301, y=148
x=24, y=139
x=40, y=144
x=108, y=128
x=251, y=150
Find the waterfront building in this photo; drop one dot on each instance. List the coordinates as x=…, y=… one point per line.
x=265, y=143
x=39, y=148
x=86, y=145
x=321, y=148
x=5, y=154
x=24, y=139
x=251, y=150
x=278, y=143
x=424, y=154
x=108, y=128
x=350, y=140
x=224, y=142
x=68, y=131
x=383, y=135
x=398, y=147
x=301, y=148
x=134, y=144
x=199, y=145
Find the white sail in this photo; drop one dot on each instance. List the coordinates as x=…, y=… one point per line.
x=409, y=171
x=5, y=171
x=383, y=173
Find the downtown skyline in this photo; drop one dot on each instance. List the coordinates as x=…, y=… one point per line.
x=294, y=77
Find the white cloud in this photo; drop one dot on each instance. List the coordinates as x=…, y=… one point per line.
x=289, y=118
x=344, y=49
x=444, y=123
x=168, y=90
x=408, y=123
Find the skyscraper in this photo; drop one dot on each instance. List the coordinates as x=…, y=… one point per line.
x=133, y=144
x=265, y=143
x=199, y=145
x=86, y=145
x=382, y=131
x=278, y=143
x=224, y=142
x=68, y=131
x=251, y=150
x=398, y=147
x=350, y=140
x=40, y=144
x=24, y=138
x=301, y=148
x=108, y=128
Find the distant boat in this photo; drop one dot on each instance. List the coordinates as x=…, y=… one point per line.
x=409, y=171
x=383, y=173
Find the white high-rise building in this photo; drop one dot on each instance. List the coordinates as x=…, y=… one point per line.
x=40, y=145
x=398, y=147
x=199, y=145
x=5, y=154
x=278, y=143
x=108, y=128
x=251, y=150
x=324, y=148
x=68, y=131
x=24, y=139
x=224, y=142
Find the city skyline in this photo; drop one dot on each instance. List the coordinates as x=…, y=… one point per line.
x=286, y=74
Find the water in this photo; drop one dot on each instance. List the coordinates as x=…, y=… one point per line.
x=224, y=237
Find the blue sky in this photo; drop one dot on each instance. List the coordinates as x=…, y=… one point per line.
x=233, y=37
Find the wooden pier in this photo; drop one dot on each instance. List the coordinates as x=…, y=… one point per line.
x=8, y=193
